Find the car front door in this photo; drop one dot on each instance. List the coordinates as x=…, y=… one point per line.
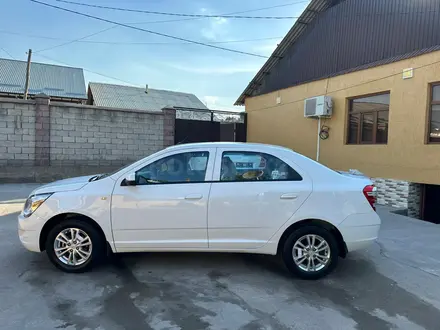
x=167, y=207
x=252, y=195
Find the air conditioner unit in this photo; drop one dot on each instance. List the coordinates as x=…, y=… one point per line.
x=320, y=106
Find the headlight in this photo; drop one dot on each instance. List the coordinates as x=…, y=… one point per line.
x=33, y=203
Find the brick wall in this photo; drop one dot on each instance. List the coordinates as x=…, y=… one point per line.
x=42, y=140
x=399, y=194
x=17, y=133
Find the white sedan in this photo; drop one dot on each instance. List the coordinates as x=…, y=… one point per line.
x=210, y=197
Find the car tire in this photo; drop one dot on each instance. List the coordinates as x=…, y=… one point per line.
x=298, y=250
x=75, y=254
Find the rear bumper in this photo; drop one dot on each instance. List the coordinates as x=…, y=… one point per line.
x=360, y=230
x=360, y=237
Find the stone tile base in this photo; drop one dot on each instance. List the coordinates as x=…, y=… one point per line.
x=399, y=194
x=414, y=206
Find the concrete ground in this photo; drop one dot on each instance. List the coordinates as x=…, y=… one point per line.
x=395, y=284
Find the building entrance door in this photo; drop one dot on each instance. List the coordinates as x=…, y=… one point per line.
x=431, y=203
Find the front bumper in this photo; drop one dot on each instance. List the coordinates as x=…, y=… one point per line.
x=29, y=238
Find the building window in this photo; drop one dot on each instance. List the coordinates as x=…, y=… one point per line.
x=368, y=119
x=434, y=127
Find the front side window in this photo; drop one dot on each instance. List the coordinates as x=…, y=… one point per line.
x=188, y=167
x=255, y=166
x=434, y=125
x=368, y=120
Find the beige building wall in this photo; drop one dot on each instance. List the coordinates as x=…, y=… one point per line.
x=407, y=156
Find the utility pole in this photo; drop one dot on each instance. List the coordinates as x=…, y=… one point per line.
x=28, y=73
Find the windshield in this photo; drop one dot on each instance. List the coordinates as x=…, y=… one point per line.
x=104, y=175
x=119, y=169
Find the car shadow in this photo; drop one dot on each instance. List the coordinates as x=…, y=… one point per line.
x=350, y=268
x=356, y=287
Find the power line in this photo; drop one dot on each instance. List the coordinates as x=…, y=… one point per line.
x=7, y=53
x=349, y=87
x=275, y=106
x=179, y=20
x=363, y=15
x=149, y=31
x=97, y=73
x=75, y=40
x=137, y=95
x=174, y=14
x=176, y=20
x=226, y=14
x=80, y=40
x=30, y=35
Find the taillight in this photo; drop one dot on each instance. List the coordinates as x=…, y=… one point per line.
x=370, y=194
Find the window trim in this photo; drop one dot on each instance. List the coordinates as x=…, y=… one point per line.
x=171, y=183
x=349, y=105
x=260, y=181
x=429, y=115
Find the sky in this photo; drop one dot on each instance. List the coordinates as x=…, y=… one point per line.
x=215, y=76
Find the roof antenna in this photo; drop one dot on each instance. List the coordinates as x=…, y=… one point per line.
x=146, y=88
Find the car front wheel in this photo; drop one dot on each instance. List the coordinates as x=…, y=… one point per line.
x=310, y=252
x=74, y=246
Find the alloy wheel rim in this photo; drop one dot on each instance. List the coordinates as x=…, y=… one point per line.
x=311, y=253
x=73, y=246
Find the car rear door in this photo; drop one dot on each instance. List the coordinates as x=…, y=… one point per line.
x=252, y=195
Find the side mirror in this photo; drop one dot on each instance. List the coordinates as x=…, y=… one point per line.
x=130, y=179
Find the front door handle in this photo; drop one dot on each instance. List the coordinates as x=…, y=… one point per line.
x=288, y=196
x=193, y=197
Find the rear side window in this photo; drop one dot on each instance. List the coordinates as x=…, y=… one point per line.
x=255, y=166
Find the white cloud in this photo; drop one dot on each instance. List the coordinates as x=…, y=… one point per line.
x=210, y=100
x=220, y=20
x=217, y=29
x=265, y=49
x=220, y=70
x=208, y=34
x=221, y=103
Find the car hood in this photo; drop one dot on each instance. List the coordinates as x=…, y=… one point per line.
x=63, y=185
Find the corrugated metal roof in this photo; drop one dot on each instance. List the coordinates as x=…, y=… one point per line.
x=309, y=14
x=52, y=80
x=127, y=97
x=344, y=36
x=386, y=61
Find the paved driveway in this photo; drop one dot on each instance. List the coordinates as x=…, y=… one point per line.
x=394, y=284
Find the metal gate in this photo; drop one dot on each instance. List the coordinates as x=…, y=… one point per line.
x=198, y=125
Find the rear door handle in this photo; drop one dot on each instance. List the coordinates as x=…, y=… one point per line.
x=193, y=197
x=288, y=196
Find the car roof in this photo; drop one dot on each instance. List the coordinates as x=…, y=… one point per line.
x=226, y=145
x=308, y=166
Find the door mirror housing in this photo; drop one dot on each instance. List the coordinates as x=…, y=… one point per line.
x=130, y=179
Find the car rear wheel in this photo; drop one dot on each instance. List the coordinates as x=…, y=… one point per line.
x=74, y=246
x=310, y=252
